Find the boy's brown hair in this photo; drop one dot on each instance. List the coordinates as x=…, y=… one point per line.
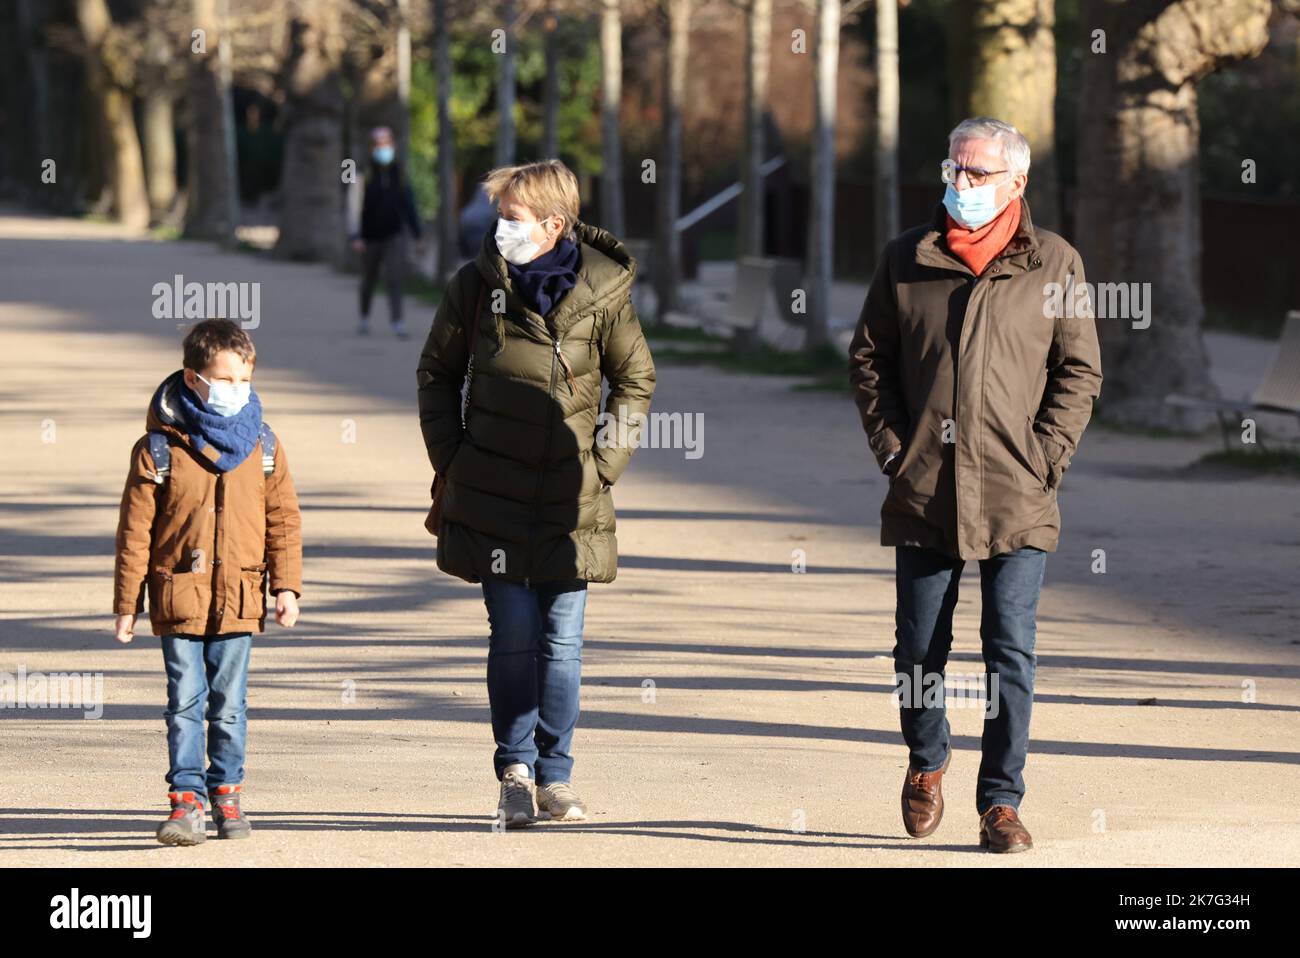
x=212, y=336
x=546, y=187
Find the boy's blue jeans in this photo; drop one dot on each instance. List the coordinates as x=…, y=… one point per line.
x=926, y=582
x=534, y=672
x=207, y=678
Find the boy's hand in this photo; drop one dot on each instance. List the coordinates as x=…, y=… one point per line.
x=286, y=609
x=125, y=628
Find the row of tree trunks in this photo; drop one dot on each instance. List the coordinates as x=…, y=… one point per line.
x=668, y=168
x=109, y=77
x=448, y=254
x=311, y=221
x=821, y=174
x=611, y=93
x=212, y=202
x=1138, y=216
x=506, y=69
x=887, y=118
x=551, y=82
x=1010, y=73
x=758, y=40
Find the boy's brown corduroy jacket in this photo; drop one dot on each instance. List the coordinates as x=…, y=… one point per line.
x=204, y=543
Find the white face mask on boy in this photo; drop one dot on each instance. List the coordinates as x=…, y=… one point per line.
x=227, y=399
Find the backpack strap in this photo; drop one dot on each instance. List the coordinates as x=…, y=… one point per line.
x=161, y=453
x=268, y=450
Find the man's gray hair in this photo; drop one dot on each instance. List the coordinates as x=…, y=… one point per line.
x=1015, y=148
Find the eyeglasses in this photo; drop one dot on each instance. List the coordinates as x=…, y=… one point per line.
x=949, y=169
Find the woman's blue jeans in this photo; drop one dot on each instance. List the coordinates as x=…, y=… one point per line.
x=534, y=672
x=1010, y=583
x=207, y=678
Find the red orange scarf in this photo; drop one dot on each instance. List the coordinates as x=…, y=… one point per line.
x=977, y=248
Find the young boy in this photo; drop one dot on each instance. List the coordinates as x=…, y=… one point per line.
x=208, y=515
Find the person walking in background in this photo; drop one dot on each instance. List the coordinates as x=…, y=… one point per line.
x=974, y=395
x=545, y=315
x=379, y=210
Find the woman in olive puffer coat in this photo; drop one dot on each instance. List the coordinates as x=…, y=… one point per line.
x=528, y=509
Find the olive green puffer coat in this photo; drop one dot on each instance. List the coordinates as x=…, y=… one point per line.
x=528, y=493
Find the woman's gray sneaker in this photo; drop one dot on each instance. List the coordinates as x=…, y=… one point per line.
x=515, y=806
x=230, y=819
x=560, y=803
x=185, y=825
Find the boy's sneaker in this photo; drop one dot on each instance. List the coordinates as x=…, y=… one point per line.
x=363, y=326
x=560, y=803
x=399, y=329
x=515, y=806
x=185, y=825
x=230, y=820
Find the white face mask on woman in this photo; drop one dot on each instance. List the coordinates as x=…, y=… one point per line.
x=513, y=241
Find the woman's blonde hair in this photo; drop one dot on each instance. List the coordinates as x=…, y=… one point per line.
x=546, y=187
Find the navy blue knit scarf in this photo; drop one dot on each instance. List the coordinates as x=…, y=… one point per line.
x=232, y=437
x=543, y=281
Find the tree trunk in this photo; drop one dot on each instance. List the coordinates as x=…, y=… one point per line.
x=159, y=150
x=403, y=130
x=212, y=204
x=758, y=40
x=668, y=174
x=887, y=98
x=31, y=46
x=107, y=75
x=448, y=252
x=506, y=150
x=1013, y=78
x=611, y=95
x=310, y=184
x=821, y=174
x=551, y=84
x=1139, y=206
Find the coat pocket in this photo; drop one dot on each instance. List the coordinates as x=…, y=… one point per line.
x=252, y=591
x=181, y=596
x=1037, y=454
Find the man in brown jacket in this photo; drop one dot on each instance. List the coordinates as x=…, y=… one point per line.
x=208, y=514
x=974, y=388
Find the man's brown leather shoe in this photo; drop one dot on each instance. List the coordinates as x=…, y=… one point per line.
x=923, y=799
x=1002, y=831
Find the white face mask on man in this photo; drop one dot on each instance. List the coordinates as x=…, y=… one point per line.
x=513, y=240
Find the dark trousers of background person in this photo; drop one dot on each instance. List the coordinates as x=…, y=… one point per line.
x=1010, y=583
x=388, y=255
x=534, y=673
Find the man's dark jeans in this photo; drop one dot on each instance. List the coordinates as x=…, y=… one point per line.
x=1010, y=583
x=534, y=673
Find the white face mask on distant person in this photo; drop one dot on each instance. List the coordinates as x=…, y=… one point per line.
x=513, y=242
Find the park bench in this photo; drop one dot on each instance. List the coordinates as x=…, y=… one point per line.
x=1278, y=393
x=759, y=308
